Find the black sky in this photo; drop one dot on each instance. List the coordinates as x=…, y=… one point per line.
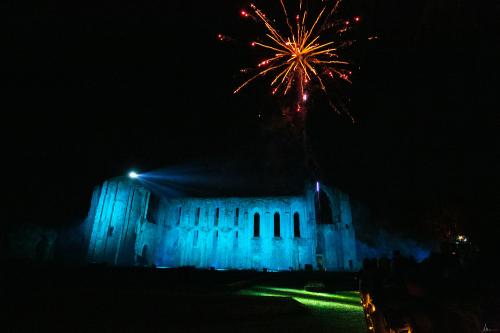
x=95, y=88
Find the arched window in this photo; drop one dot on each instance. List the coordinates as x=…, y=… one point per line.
x=256, y=225
x=153, y=204
x=214, y=240
x=179, y=214
x=197, y=216
x=216, y=222
x=276, y=224
x=236, y=216
x=323, y=208
x=195, y=238
x=235, y=241
x=296, y=225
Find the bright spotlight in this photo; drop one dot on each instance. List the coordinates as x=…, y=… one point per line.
x=133, y=175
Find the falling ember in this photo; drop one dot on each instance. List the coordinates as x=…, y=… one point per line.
x=300, y=56
x=224, y=38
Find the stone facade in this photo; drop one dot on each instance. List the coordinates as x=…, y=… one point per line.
x=132, y=226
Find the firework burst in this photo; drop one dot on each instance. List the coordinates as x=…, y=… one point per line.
x=305, y=54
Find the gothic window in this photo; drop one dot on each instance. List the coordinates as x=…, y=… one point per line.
x=236, y=216
x=323, y=208
x=197, y=216
x=276, y=224
x=296, y=225
x=179, y=214
x=195, y=238
x=216, y=221
x=235, y=242
x=214, y=240
x=256, y=225
x=154, y=202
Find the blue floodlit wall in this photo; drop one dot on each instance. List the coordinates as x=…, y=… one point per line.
x=218, y=232
x=119, y=212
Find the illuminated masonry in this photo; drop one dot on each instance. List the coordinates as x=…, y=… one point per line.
x=131, y=226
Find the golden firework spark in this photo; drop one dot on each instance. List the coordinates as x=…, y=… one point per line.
x=300, y=56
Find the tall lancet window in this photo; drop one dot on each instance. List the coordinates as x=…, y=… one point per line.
x=216, y=222
x=256, y=225
x=296, y=225
x=179, y=214
x=236, y=216
x=197, y=216
x=276, y=224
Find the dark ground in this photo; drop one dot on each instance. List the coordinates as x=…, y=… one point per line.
x=108, y=299
x=452, y=291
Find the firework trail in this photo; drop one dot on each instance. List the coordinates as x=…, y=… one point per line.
x=306, y=55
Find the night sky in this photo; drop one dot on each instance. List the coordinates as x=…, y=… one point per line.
x=95, y=88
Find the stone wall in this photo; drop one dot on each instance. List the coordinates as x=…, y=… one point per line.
x=130, y=228
x=116, y=220
x=202, y=237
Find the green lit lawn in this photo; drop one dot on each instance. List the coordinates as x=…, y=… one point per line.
x=332, y=312
x=130, y=300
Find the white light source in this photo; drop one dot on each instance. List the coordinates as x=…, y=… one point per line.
x=133, y=175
